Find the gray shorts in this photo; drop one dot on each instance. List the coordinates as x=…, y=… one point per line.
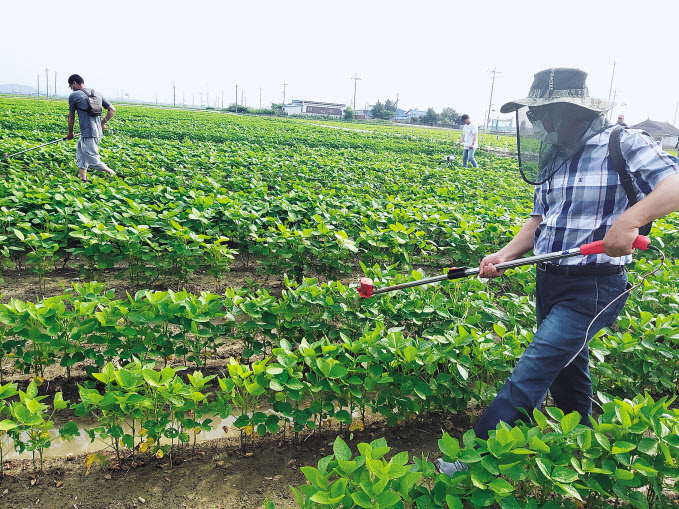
x=87, y=154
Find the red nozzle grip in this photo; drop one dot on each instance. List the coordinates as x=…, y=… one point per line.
x=597, y=247
x=641, y=242
x=365, y=287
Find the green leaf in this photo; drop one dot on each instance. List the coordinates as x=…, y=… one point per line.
x=509, y=503
x=32, y=390
x=483, y=498
x=449, y=446
x=623, y=475
x=569, y=422
x=470, y=456
x=620, y=447
x=362, y=500
x=545, y=466
x=338, y=371
x=540, y=419
x=322, y=497
x=347, y=466
x=454, y=502
x=59, y=402
x=501, y=486
x=564, y=474
x=69, y=430
x=7, y=425
x=314, y=477
x=410, y=353
x=603, y=441
x=570, y=490
x=341, y=450
x=538, y=445
x=387, y=498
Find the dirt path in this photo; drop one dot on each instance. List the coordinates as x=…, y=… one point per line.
x=218, y=476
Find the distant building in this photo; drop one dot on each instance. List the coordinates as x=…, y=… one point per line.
x=663, y=132
x=314, y=108
x=364, y=114
x=415, y=113
x=403, y=116
x=500, y=125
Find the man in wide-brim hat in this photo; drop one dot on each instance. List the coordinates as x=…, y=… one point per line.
x=579, y=199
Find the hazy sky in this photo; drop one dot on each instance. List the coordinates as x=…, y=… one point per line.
x=430, y=53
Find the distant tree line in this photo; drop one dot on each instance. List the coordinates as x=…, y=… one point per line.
x=447, y=117
x=276, y=109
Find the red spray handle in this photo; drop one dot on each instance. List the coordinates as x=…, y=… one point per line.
x=597, y=247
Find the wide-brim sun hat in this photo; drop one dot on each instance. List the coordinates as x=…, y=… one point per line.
x=559, y=85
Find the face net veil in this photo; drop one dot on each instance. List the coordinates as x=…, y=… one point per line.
x=547, y=136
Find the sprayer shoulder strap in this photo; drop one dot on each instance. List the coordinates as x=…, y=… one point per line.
x=620, y=166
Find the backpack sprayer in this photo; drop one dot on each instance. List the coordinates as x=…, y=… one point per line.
x=367, y=290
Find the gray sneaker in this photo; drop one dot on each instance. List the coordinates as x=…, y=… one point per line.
x=443, y=467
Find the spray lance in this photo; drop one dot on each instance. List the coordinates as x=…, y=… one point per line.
x=367, y=290
x=9, y=156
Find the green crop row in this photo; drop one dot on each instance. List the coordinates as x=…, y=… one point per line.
x=87, y=327
x=629, y=454
x=289, y=196
x=627, y=459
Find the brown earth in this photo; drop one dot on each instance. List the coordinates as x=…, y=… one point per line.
x=217, y=476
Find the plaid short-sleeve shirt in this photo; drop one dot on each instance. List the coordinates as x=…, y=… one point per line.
x=583, y=198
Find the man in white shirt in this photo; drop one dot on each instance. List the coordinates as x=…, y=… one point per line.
x=470, y=138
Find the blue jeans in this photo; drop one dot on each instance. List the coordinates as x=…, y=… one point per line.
x=468, y=155
x=558, y=357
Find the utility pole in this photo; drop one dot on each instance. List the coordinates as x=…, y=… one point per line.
x=47, y=83
x=355, y=78
x=610, y=90
x=174, y=94
x=222, y=99
x=284, y=85
x=55, y=83
x=236, y=98
x=241, y=97
x=193, y=99
x=38, y=85
x=674, y=123
x=492, y=87
x=260, y=98
x=201, y=99
x=156, y=94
